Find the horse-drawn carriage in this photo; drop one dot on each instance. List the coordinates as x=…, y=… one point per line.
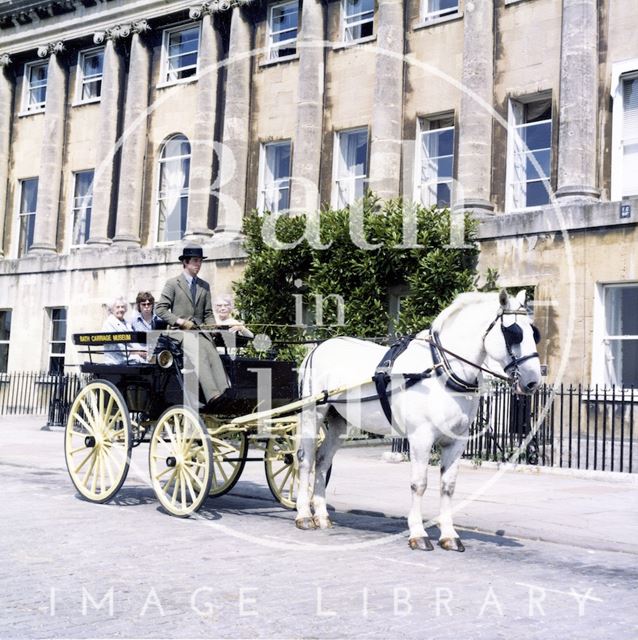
x=193, y=453
x=428, y=389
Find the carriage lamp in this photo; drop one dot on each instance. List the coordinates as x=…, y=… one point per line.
x=165, y=359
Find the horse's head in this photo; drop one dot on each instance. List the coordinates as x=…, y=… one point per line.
x=511, y=340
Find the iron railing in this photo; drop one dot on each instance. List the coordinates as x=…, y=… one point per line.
x=575, y=427
x=39, y=393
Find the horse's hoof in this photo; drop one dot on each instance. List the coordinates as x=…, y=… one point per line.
x=322, y=523
x=420, y=544
x=452, y=544
x=305, y=523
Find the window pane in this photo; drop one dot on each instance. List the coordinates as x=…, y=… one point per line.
x=5, y=324
x=176, y=146
x=184, y=41
x=93, y=64
x=621, y=305
x=284, y=18
x=624, y=362
x=536, y=194
x=4, y=357
x=39, y=74
x=29, y=195
x=538, y=136
x=354, y=7
x=538, y=164
x=56, y=365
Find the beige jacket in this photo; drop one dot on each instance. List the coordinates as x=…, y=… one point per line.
x=176, y=302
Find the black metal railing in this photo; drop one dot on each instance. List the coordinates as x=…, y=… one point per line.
x=39, y=393
x=573, y=427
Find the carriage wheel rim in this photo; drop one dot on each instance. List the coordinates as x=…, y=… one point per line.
x=97, y=442
x=180, y=461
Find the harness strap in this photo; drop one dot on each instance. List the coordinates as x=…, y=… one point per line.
x=439, y=357
x=381, y=376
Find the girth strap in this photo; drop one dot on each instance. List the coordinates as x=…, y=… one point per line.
x=381, y=377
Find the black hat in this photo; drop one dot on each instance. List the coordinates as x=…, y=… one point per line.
x=192, y=252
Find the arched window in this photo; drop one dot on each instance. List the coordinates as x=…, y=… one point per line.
x=172, y=197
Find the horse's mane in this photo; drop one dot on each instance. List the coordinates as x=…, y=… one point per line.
x=460, y=302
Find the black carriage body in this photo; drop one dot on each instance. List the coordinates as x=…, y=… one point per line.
x=255, y=384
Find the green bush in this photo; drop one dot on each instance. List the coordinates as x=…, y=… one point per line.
x=275, y=279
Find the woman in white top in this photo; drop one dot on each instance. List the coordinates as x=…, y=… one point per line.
x=116, y=353
x=222, y=310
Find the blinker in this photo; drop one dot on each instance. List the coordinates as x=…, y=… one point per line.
x=512, y=333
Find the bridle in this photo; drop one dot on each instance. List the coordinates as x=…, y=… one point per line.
x=513, y=334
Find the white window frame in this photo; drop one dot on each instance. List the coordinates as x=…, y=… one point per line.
x=514, y=142
x=75, y=209
x=279, y=184
x=602, y=373
x=165, y=79
x=274, y=47
x=184, y=193
x=337, y=178
x=428, y=14
x=621, y=71
x=19, y=214
x=81, y=79
x=350, y=22
x=39, y=107
x=423, y=128
x=52, y=324
x=6, y=341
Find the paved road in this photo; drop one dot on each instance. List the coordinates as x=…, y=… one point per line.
x=241, y=570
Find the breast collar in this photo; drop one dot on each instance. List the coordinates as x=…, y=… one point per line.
x=443, y=368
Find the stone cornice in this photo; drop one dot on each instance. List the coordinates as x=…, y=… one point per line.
x=87, y=19
x=84, y=23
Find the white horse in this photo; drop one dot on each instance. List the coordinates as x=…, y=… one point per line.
x=427, y=410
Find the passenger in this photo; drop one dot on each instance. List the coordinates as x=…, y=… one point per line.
x=223, y=310
x=116, y=353
x=146, y=319
x=185, y=303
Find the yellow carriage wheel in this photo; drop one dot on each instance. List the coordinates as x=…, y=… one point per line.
x=97, y=442
x=282, y=467
x=180, y=461
x=229, y=458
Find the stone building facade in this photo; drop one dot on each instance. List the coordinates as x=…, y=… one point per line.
x=130, y=127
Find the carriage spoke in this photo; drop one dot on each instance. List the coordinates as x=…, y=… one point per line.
x=189, y=486
x=283, y=482
x=77, y=469
x=161, y=473
x=194, y=476
x=86, y=425
x=74, y=451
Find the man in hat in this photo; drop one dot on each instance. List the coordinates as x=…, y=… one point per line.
x=185, y=303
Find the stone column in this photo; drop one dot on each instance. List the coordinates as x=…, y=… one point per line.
x=385, y=144
x=129, y=201
x=474, y=171
x=306, y=160
x=577, y=140
x=51, y=151
x=234, y=155
x=107, y=134
x=201, y=177
x=7, y=88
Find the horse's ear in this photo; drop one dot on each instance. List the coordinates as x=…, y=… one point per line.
x=521, y=298
x=503, y=298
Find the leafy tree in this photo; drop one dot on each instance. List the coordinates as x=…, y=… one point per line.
x=276, y=280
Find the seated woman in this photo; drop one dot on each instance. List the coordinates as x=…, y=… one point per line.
x=146, y=319
x=118, y=352
x=222, y=310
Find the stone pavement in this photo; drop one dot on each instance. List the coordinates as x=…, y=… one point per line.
x=546, y=553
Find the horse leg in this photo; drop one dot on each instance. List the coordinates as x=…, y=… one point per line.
x=308, y=428
x=335, y=427
x=419, y=456
x=450, y=460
